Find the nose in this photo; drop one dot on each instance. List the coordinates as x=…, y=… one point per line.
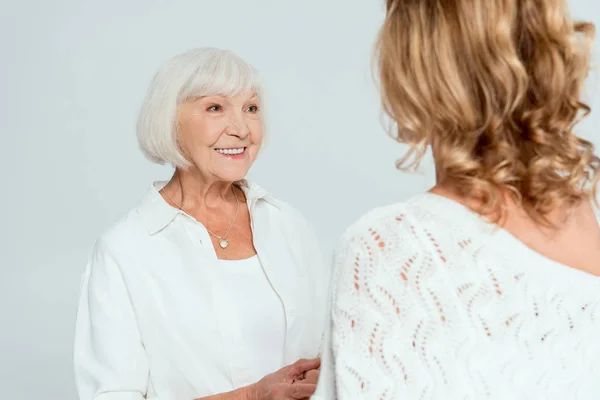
x=238, y=127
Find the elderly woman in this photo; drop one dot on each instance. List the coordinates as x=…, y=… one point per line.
x=210, y=286
x=487, y=286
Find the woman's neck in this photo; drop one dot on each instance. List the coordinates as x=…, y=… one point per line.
x=195, y=191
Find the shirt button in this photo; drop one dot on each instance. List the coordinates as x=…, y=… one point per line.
x=293, y=312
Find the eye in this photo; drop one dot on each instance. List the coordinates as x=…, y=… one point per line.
x=214, y=108
x=253, y=109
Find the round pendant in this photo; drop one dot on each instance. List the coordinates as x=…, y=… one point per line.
x=223, y=243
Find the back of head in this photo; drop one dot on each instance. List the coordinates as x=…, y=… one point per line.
x=494, y=86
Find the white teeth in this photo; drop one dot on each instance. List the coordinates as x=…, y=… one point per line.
x=231, y=151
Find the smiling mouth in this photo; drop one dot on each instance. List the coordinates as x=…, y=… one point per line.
x=232, y=151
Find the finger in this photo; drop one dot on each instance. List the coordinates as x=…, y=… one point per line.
x=301, y=390
x=303, y=365
x=311, y=376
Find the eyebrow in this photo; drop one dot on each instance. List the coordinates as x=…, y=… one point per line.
x=223, y=96
x=253, y=97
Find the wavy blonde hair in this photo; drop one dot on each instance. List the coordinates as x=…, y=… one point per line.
x=494, y=86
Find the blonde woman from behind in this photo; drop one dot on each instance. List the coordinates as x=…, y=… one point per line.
x=485, y=287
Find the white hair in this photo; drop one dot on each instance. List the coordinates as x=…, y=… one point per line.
x=195, y=73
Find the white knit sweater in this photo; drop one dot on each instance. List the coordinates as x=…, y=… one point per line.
x=429, y=301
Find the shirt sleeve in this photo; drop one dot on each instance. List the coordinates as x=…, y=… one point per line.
x=109, y=358
x=382, y=315
x=322, y=286
x=326, y=385
x=321, y=271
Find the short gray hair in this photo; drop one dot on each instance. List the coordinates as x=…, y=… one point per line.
x=195, y=73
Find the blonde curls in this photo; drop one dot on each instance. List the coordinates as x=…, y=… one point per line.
x=494, y=86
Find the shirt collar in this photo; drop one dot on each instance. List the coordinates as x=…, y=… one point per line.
x=156, y=213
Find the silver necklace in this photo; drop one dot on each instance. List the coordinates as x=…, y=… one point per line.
x=223, y=241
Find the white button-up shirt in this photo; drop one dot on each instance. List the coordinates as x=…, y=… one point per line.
x=152, y=325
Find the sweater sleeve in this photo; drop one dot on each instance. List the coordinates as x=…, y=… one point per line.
x=383, y=314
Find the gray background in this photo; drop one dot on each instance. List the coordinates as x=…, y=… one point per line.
x=73, y=76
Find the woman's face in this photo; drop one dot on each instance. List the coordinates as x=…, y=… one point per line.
x=221, y=136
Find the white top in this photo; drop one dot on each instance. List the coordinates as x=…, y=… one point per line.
x=429, y=301
x=257, y=311
x=152, y=323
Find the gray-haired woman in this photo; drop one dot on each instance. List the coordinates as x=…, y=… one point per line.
x=209, y=287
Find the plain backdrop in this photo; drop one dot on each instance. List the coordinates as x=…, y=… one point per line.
x=73, y=74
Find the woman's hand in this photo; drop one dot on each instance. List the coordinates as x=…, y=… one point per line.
x=311, y=376
x=287, y=383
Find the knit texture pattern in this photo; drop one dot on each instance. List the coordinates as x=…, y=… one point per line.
x=429, y=301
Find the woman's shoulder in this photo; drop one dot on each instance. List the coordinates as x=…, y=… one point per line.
x=288, y=212
x=423, y=225
x=425, y=213
x=122, y=232
x=390, y=219
x=137, y=224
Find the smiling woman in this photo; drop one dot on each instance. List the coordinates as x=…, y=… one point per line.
x=210, y=287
